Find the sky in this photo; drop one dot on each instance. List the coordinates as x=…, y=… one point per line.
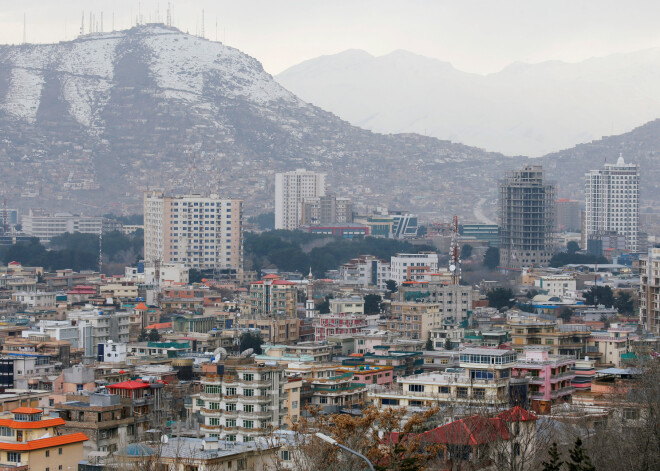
x=479, y=36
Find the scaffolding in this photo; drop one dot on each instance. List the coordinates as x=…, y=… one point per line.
x=527, y=215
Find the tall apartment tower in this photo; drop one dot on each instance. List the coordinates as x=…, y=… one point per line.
x=649, y=294
x=291, y=188
x=612, y=202
x=204, y=232
x=527, y=215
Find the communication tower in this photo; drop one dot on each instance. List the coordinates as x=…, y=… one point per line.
x=454, y=254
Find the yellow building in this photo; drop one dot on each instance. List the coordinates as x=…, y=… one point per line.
x=29, y=440
x=568, y=339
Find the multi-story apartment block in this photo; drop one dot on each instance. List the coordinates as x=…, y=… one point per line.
x=365, y=271
x=291, y=189
x=326, y=210
x=273, y=296
x=649, y=293
x=483, y=379
x=526, y=218
x=30, y=440
x=455, y=301
x=556, y=285
x=142, y=401
x=612, y=202
x=46, y=226
x=611, y=347
x=414, y=267
x=96, y=327
x=550, y=377
x=341, y=323
x=241, y=400
x=414, y=320
x=568, y=215
x=197, y=231
x=570, y=339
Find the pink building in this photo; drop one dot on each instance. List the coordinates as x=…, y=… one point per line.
x=337, y=324
x=370, y=374
x=550, y=377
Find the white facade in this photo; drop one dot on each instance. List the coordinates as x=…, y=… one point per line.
x=34, y=299
x=170, y=274
x=414, y=267
x=557, y=285
x=364, y=271
x=45, y=227
x=649, y=294
x=291, y=188
x=612, y=202
x=196, y=231
x=113, y=352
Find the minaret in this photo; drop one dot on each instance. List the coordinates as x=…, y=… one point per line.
x=310, y=307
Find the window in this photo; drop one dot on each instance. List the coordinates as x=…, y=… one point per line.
x=444, y=390
x=416, y=387
x=231, y=407
x=248, y=424
x=13, y=457
x=6, y=432
x=47, y=453
x=248, y=376
x=285, y=455
x=248, y=392
x=230, y=423
x=231, y=392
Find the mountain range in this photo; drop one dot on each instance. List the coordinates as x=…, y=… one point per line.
x=88, y=125
x=525, y=109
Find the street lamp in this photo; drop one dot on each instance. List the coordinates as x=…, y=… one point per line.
x=334, y=442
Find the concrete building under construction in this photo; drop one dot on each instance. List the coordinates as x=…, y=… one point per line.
x=526, y=218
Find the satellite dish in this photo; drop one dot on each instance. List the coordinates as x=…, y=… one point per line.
x=452, y=267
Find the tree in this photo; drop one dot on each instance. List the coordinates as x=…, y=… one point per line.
x=565, y=314
x=492, y=258
x=429, y=345
x=572, y=247
x=624, y=303
x=154, y=336
x=448, y=344
x=564, y=258
x=466, y=251
x=579, y=460
x=143, y=337
x=599, y=295
x=251, y=340
x=391, y=286
x=372, y=304
x=531, y=293
x=605, y=320
x=554, y=463
x=324, y=307
x=500, y=297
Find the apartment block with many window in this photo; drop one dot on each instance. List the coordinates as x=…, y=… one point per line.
x=204, y=232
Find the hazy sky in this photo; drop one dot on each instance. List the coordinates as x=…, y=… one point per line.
x=474, y=35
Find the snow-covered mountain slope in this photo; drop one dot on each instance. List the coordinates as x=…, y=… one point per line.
x=527, y=109
x=89, y=124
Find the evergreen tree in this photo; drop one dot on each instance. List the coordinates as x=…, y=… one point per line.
x=448, y=345
x=579, y=460
x=143, y=336
x=153, y=336
x=492, y=258
x=429, y=345
x=554, y=463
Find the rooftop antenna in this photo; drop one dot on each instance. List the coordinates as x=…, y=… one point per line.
x=202, y=35
x=169, y=14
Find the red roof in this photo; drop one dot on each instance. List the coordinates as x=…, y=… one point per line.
x=131, y=384
x=15, y=424
x=517, y=414
x=141, y=307
x=162, y=325
x=475, y=430
x=45, y=442
x=26, y=410
x=271, y=277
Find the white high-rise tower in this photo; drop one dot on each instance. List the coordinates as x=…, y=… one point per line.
x=291, y=188
x=612, y=202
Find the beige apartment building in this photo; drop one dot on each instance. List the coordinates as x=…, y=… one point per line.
x=197, y=231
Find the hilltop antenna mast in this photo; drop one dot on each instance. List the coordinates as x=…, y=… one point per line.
x=101, y=29
x=169, y=14
x=82, y=24
x=454, y=254
x=24, y=29
x=202, y=35
x=5, y=226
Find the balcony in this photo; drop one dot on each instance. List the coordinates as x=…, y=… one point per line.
x=143, y=401
x=259, y=399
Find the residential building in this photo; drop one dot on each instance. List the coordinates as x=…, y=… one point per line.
x=46, y=226
x=97, y=327
x=31, y=440
x=568, y=339
x=346, y=316
x=291, y=189
x=483, y=379
x=455, y=301
x=649, y=292
x=203, y=232
x=143, y=402
x=550, y=377
x=241, y=400
x=612, y=202
x=101, y=417
x=365, y=271
x=413, y=267
x=273, y=296
x=526, y=218
x=611, y=347
x=556, y=285
x=569, y=215
x=326, y=210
